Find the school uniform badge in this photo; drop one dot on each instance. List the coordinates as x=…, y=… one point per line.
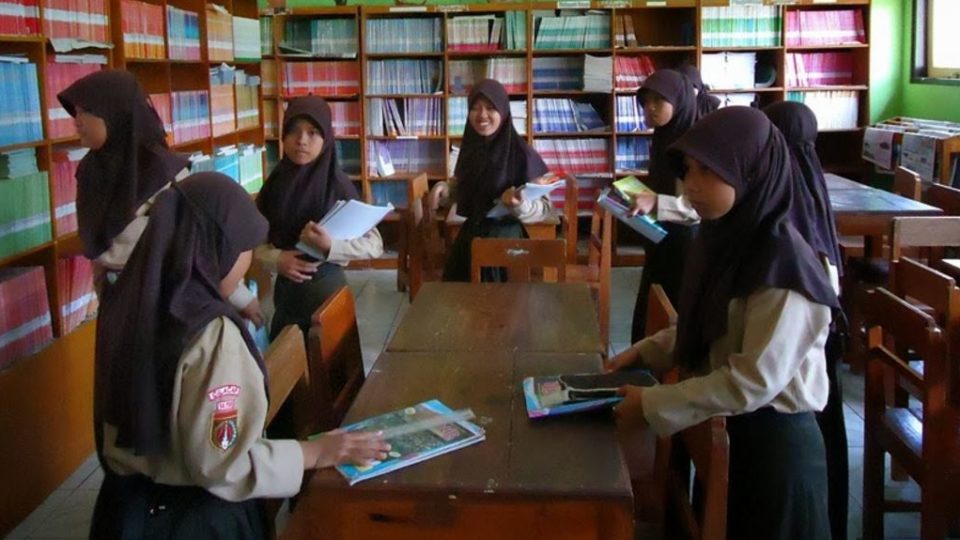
x=224, y=428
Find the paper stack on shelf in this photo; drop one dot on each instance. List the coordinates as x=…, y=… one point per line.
x=598, y=74
x=729, y=70
x=819, y=69
x=837, y=109
x=25, y=322
x=74, y=24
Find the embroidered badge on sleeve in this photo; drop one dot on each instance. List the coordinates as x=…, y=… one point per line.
x=224, y=426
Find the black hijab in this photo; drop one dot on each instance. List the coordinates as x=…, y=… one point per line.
x=754, y=245
x=295, y=194
x=133, y=164
x=487, y=166
x=676, y=89
x=811, y=212
x=167, y=295
x=706, y=102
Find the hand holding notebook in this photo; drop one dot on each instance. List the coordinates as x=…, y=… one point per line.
x=348, y=220
x=530, y=191
x=563, y=394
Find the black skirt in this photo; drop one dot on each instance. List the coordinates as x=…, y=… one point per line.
x=457, y=267
x=134, y=507
x=778, y=477
x=664, y=265
x=294, y=303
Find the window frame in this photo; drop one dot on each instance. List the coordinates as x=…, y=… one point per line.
x=921, y=71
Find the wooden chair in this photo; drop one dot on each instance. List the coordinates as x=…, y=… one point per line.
x=425, y=249
x=596, y=272
x=944, y=197
x=416, y=189
x=925, y=442
x=571, y=214
x=335, y=364
x=519, y=257
x=906, y=183
x=930, y=236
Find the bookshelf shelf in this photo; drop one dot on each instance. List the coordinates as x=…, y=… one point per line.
x=571, y=52
x=855, y=88
x=740, y=49
x=29, y=38
x=31, y=256
x=572, y=135
x=21, y=146
x=468, y=55
x=656, y=49
x=770, y=90
x=648, y=133
x=842, y=47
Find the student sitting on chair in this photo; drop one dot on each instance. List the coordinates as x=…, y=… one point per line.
x=494, y=161
x=754, y=316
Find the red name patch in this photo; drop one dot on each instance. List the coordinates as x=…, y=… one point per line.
x=221, y=392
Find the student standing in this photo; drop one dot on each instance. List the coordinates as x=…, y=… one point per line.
x=494, y=161
x=812, y=215
x=754, y=317
x=128, y=164
x=303, y=188
x=706, y=102
x=670, y=107
x=181, y=388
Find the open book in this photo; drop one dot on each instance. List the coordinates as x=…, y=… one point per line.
x=422, y=444
x=620, y=208
x=564, y=394
x=528, y=192
x=348, y=220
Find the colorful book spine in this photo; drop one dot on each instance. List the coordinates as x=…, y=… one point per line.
x=835, y=110
x=191, y=115
x=25, y=322
x=219, y=34
x=183, y=34
x=405, y=35
x=61, y=72
x=825, y=27
x=346, y=118
x=142, y=25
x=250, y=162
x=20, y=119
x=630, y=71
x=19, y=17
x=247, y=89
x=633, y=154
x=320, y=78
x=404, y=76
x=66, y=160
x=819, y=69
x=574, y=156
x=76, y=21
x=77, y=295
x=511, y=72
x=24, y=213
x=741, y=26
x=328, y=37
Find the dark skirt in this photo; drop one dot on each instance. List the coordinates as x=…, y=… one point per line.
x=457, y=267
x=778, y=477
x=294, y=303
x=134, y=507
x=834, y=430
x=664, y=265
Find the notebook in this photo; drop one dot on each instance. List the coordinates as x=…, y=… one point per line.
x=569, y=393
x=348, y=220
x=528, y=192
x=620, y=208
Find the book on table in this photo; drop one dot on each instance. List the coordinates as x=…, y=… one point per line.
x=570, y=393
x=415, y=434
x=619, y=206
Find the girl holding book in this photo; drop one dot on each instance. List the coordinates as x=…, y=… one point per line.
x=494, y=162
x=300, y=191
x=754, y=316
x=181, y=388
x=128, y=164
x=706, y=102
x=670, y=107
x=812, y=215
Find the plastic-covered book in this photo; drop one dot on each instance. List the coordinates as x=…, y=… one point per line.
x=422, y=444
x=564, y=394
x=620, y=209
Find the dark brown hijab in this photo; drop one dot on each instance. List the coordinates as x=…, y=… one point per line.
x=132, y=166
x=295, y=194
x=754, y=245
x=166, y=296
x=676, y=89
x=706, y=102
x=487, y=166
x=811, y=212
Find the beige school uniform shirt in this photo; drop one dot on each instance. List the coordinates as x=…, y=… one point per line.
x=368, y=246
x=217, y=374
x=115, y=258
x=772, y=355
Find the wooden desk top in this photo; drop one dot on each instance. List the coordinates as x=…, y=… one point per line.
x=848, y=197
x=535, y=317
x=567, y=457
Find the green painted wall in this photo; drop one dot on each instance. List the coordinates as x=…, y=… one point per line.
x=887, y=44
x=938, y=102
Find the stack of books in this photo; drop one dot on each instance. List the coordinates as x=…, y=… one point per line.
x=226, y=161
x=66, y=160
x=25, y=324
x=250, y=158
x=266, y=36
x=819, y=69
x=474, y=33
x=406, y=156
x=571, y=31
x=247, y=90
x=219, y=34
x=142, y=25
x=222, y=113
x=408, y=117
x=20, y=120
x=838, y=109
x=183, y=34
x=631, y=71
x=510, y=72
x=633, y=154
x=558, y=73
x=729, y=70
x=555, y=115
x=629, y=115
x=191, y=117
x=245, y=39
x=404, y=76
x=74, y=24
x=320, y=78
x=161, y=104
x=24, y=202
x=825, y=27
x=346, y=117
x=574, y=156
x=404, y=35
x=62, y=71
x=334, y=38
x=741, y=26
x=78, y=301
x=19, y=17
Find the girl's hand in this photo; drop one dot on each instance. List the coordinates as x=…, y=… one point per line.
x=627, y=358
x=316, y=236
x=629, y=412
x=510, y=198
x=292, y=267
x=339, y=447
x=548, y=178
x=644, y=203
x=439, y=195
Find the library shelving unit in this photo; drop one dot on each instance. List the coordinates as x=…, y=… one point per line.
x=410, y=58
x=46, y=396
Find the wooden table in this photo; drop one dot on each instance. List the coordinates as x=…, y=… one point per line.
x=554, y=478
x=535, y=317
x=861, y=210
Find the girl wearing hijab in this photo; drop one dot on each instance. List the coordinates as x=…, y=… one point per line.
x=754, y=315
x=303, y=188
x=181, y=389
x=812, y=215
x=706, y=102
x=128, y=164
x=494, y=161
x=669, y=106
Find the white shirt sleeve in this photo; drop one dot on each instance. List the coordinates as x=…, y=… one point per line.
x=676, y=210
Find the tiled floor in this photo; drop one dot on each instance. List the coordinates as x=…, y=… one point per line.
x=66, y=513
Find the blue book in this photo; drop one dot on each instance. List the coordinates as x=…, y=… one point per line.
x=410, y=448
x=643, y=224
x=570, y=393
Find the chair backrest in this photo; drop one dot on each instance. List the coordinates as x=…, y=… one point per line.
x=706, y=445
x=935, y=233
x=286, y=362
x=518, y=256
x=944, y=197
x=424, y=245
x=599, y=262
x=416, y=189
x=571, y=201
x=335, y=361
x=907, y=183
